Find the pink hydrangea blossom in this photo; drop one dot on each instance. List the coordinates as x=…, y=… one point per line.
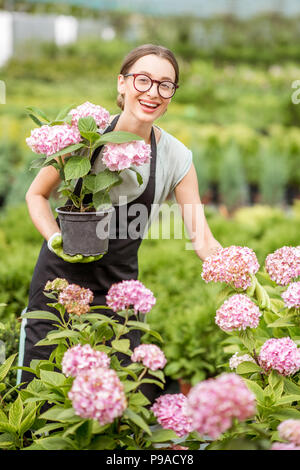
x=214, y=403
x=150, y=355
x=236, y=360
x=284, y=264
x=130, y=294
x=291, y=296
x=280, y=354
x=101, y=115
x=76, y=299
x=98, y=394
x=170, y=412
x=237, y=313
x=283, y=446
x=50, y=139
x=82, y=358
x=118, y=157
x=290, y=430
x=232, y=265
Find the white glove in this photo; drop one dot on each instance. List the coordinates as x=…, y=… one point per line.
x=51, y=239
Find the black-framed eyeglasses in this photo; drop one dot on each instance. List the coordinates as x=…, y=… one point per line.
x=141, y=82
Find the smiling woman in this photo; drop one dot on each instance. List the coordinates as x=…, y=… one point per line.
x=146, y=85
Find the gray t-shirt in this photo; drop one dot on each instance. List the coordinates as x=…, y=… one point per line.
x=173, y=161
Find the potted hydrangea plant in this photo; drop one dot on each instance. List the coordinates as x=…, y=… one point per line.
x=68, y=143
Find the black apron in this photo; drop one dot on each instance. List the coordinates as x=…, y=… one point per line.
x=120, y=263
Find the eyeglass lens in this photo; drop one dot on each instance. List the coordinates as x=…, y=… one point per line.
x=143, y=83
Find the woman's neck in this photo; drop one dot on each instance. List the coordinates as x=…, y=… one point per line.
x=130, y=124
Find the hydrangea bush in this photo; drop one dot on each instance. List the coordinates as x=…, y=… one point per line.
x=96, y=401
x=259, y=310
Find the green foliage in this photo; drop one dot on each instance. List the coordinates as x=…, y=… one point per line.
x=68, y=430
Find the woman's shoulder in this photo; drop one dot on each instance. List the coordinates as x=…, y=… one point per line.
x=169, y=144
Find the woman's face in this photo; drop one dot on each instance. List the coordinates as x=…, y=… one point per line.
x=146, y=106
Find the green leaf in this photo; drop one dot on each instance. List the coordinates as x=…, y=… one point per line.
x=276, y=305
x=158, y=374
x=129, y=385
x=144, y=327
x=87, y=124
x=4, y=368
x=256, y=389
x=163, y=435
x=138, y=176
x=52, y=378
x=288, y=399
x=121, y=345
x=135, y=418
x=69, y=149
x=63, y=113
x=92, y=137
x=247, y=367
x=55, y=443
x=57, y=413
x=28, y=421
x=276, y=382
x=290, y=387
x=42, y=315
x=36, y=120
x=280, y=323
x=16, y=412
x=3, y=417
x=37, y=163
x=152, y=381
x=119, y=137
x=286, y=413
x=102, y=443
x=105, y=179
x=63, y=334
x=36, y=111
x=101, y=201
x=7, y=427
x=89, y=182
x=76, y=167
x=138, y=399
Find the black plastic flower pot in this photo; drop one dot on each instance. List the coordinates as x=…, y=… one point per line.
x=85, y=233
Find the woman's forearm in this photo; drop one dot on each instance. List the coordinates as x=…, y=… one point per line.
x=41, y=215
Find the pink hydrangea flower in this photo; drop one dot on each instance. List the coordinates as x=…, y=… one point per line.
x=50, y=139
x=130, y=294
x=283, y=446
x=284, y=264
x=150, y=355
x=101, y=115
x=232, y=265
x=280, y=354
x=170, y=412
x=118, y=157
x=82, y=358
x=290, y=430
x=236, y=360
x=237, y=313
x=76, y=299
x=214, y=403
x=291, y=296
x=98, y=394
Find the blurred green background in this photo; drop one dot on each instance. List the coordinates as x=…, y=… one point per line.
x=234, y=109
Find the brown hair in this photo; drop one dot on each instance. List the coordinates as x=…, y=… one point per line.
x=141, y=51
